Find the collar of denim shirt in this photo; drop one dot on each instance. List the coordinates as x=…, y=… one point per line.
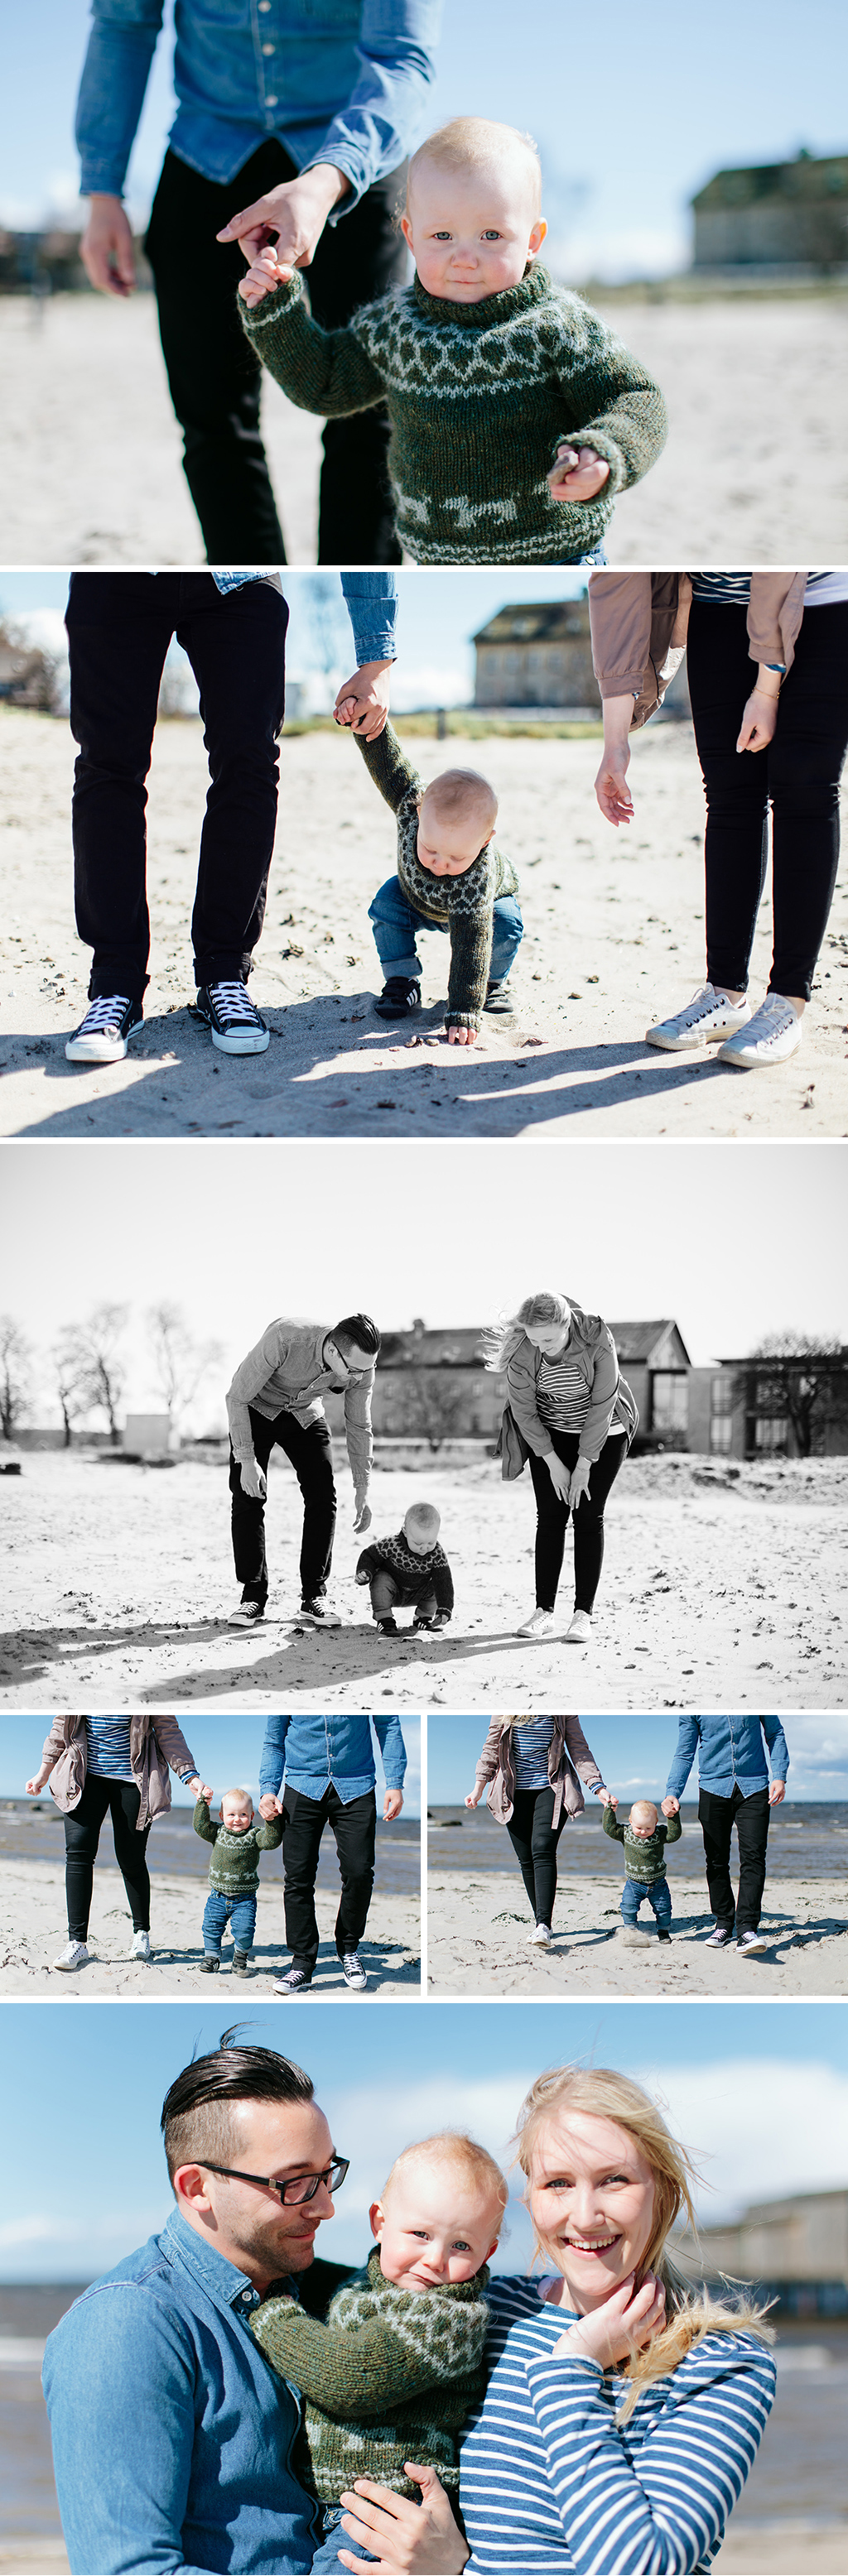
x=217, y=2276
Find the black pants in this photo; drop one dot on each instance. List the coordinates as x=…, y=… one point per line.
x=355, y=1829
x=553, y=1518
x=122, y=1800
x=119, y=628
x=215, y=377
x=798, y=775
x=751, y=1817
x=534, y=1841
x=310, y=1452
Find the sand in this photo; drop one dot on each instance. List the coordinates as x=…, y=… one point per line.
x=477, y=1939
x=767, y=2549
x=614, y=935
x=33, y=1930
x=90, y=452
x=117, y=1595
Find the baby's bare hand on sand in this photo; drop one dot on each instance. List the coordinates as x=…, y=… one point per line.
x=578, y=474
x=462, y=1037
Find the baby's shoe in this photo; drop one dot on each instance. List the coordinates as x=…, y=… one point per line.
x=662, y=1934
x=241, y=1964
x=499, y=1002
x=400, y=998
x=210, y=1964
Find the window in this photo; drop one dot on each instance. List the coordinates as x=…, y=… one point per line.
x=721, y=1415
x=669, y=1401
x=771, y=1435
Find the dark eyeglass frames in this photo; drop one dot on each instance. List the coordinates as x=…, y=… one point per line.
x=296, y=2187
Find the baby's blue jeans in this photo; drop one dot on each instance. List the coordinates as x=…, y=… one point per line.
x=658, y=1895
x=396, y=923
x=241, y=1912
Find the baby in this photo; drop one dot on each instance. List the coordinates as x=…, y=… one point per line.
x=449, y=877
x=515, y=414
x=410, y=1568
x=389, y=2380
x=644, y=1837
x=233, y=1876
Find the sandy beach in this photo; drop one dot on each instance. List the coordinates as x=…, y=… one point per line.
x=33, y=1929
x=477, y=1940
x=90, y=451
x=706, y=1595
x=768, y=2549
x=613, y=935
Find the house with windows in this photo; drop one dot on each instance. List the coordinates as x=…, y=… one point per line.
x=537, y=656
x=791, y=1402
x=784, y=214
x=794, y=2251
x=432, y=1385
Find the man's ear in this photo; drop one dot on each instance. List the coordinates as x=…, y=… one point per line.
x=190, y=2184
x=377, y=2217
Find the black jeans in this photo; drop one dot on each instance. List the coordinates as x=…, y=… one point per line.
x=119, y=628
x=309, y=1449
x=122, y=1800
x=534, y=1841
x=798, y=775
x=751, y=1817
x=355, y=1829
x=215, y=377
x=553, y=1518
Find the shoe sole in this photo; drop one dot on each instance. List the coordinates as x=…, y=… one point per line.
x=235, y=1622
x=305, y=1619
x=690, y=1045
x=742, y=1062
x=252, y=1041
x=752, y=1949
x=91, y=1052
x=576, y=1641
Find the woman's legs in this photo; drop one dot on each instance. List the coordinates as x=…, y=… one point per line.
x=82, y=1835
x=721, y=677
x=551, y=1523
x=805, y=763
x=553, y=1517
x=589, y=1523
x=534, y=1842
x=130, y=1848
x=520, y=1831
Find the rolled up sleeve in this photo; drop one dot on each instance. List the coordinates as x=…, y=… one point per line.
x=360, y=1445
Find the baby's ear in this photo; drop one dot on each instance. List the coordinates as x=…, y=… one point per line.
x=377, y=2218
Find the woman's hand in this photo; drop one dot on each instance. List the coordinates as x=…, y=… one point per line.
x=759, y=722
x=619, y=2327
x=409, y=2539
x=201, y=1788
x=476, y=1795
x=559, y=1476
x=579, y=1484
x=611, y=789
x=37, y=1782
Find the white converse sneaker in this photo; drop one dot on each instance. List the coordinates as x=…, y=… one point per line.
x=141, y=1945
x=103, y=1037
x=540, y=1624
x=773, y=1033
x=75, y=1956
x=540, y=1937
x=580, y=1631
x=709, y=1015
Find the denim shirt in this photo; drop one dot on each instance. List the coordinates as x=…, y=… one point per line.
x=342, y=81
x=731, y=1754
x=172, y=2435
x=372, y=607
x=315, y=1752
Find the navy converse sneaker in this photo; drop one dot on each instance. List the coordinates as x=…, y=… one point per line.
x=236, y=1025
x=103, y=1037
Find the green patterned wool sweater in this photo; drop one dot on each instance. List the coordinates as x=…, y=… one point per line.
x=463, y=905
x=389, y=2378
x=644, y=1861
x=234, y=1866
x=479, y=397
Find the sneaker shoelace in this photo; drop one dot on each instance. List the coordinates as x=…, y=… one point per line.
x=232, y=1002
x=106, y=1011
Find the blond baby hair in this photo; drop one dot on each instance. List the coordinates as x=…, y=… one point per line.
x=690, y=2311
x=456, y=793
x=641, y=1809
x=424, y=1519
x=243, y=1796
x=454, y=2147
x=476, y=143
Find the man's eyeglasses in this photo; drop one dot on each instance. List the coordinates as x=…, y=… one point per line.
x=296, y=2187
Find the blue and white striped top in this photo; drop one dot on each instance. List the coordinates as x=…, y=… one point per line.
x=551, y=2485
x=109, y=1748
x=821, y=588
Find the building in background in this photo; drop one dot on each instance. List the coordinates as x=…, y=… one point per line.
x=537, y=656
x=788, y=214
x=794, y=2251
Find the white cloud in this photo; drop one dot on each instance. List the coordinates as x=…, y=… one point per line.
x=618, y=256
x=757, y=2127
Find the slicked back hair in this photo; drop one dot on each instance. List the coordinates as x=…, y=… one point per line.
x=197, y=2112
x=358, y=1332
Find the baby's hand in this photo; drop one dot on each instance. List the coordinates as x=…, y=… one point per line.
x=440, y=1619
x=266, y=272
x=360, y=1578
x=460, y=1036
x=345, y=710
x=578, y=474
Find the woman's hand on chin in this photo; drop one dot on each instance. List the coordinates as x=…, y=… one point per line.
x=623, y=2323
x=406, y=2538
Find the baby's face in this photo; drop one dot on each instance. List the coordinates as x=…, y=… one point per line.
x=448, y=849
x=237, y=1818
x=420, y=1543
x=471, y=232
x=433, y=2227
x=644, y=1826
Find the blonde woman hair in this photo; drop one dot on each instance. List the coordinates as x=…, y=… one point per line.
x=547, y=1306
x=603, y=2094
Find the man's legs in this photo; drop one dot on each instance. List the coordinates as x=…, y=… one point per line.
x=304, y=1820
x=752, y=1824
x=119, y=629
x=213, y=374
x=715, y=1816
x=355, y=1829
x=310, y=1450
x=248, y=1516
x=236, y=646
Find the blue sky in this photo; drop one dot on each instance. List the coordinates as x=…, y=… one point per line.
x=629, y=123
x=634, y=1754
x=225, y=1749
x=759, y=2094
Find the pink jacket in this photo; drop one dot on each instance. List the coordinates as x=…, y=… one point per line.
x=639, y=622
x=568, y=1754
x=154, y=1742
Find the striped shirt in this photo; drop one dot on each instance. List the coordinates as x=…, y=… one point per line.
x=531, y=1745
x=735, y=587
x=109, y=1748
x=552, y=2486
x=562, y=1395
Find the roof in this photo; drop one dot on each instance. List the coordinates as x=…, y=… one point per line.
x=804, y=177
x=639, y=1341
x=539, y=622
x=458, y=1346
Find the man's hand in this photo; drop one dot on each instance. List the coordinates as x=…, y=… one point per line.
x=578, y=474
x=407, y=2539
x=252, y=1480
x=559, y=1476
x=621, y=2325
x=670, y=1807
x=363, y=700
x=777, y=1792
x=106, y=247
x=392, y=1804
x=269, y=1807
x=579, y=1484
x=458, y=1036
x=296, y=211
x=362, y=1519
x=759, y=722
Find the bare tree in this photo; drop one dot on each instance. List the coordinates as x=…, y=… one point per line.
x=32, y=672
x=181, y=1362
x=434, y=1404
x=15, y=1375
x=70, y=1369
x=798, y=1380
x=94, y=1354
